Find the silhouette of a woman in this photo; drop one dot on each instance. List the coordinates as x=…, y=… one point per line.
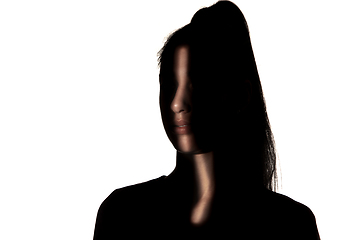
x=214, y=114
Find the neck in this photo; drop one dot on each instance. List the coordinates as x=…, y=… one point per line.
x=198, y=171
x=204, y=174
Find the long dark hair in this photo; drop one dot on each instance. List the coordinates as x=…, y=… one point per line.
x=223, y=69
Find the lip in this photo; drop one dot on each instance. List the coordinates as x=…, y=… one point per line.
x=180, y=123
x=181, y=127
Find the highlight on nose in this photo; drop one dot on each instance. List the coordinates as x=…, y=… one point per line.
x=180, y=103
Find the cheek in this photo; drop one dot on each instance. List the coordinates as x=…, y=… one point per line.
x=167, y=117
x=209, y=121
x=206, y=112
x=164, y=106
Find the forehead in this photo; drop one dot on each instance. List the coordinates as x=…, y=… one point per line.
x=181, y=60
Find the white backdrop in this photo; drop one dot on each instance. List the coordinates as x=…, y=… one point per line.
x=79, y=113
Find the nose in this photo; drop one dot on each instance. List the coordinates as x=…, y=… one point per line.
x=181, y=101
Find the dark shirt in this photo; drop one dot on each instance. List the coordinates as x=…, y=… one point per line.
x=160, y=209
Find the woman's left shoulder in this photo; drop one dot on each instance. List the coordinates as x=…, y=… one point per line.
x=294, y=215
x=286, y=204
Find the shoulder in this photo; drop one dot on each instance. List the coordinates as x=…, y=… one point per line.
x=286, y=205
x=133, y=194
x=126, y=208
x=293, y=215
x=137, y=189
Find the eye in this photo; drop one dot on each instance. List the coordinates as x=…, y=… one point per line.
x=167, y=81
x=168, y=85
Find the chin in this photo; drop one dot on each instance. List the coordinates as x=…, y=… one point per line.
x=186, y=144
x=189, y=151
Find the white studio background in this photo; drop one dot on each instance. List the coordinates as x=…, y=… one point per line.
x=79, y=113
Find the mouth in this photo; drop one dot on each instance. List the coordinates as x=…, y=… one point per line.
x=181, y=126
x=182, y=129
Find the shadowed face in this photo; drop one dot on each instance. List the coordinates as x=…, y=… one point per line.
x=182, y=121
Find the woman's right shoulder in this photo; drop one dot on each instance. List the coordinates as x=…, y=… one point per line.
x=125, y=207
x=133, y=194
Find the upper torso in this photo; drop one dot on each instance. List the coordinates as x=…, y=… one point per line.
x=159, y=209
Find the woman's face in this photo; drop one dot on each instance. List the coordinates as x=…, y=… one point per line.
x=177, y=106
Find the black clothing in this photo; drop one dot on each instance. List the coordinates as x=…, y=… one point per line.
x=160, y=209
